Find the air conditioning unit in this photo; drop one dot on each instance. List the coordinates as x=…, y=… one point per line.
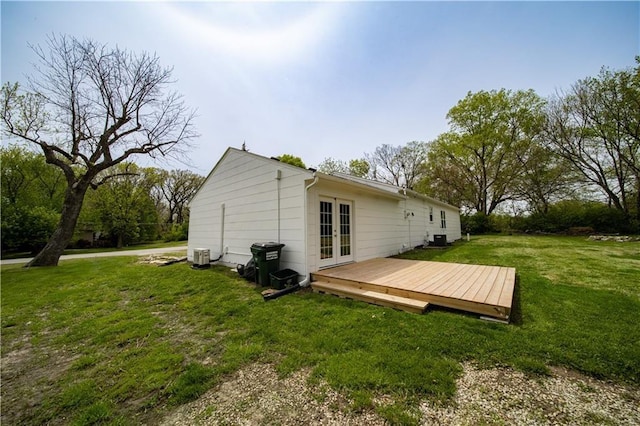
x=201, y=257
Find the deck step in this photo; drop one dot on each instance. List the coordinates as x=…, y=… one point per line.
x=374, y=297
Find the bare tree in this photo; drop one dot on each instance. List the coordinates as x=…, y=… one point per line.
x=544, y=178
x=178, y=187
x=398, y=165
x=357, y=167
x=385, y=164
x=89, y=108
x=595, y=126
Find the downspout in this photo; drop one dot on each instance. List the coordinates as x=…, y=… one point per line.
x=222, y=209
x=406, y=215
x=278, y=178
x=222, y=253
x=307, y=280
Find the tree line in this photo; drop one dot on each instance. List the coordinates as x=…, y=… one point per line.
x=90, y=109
x=137, y=204
x=566, y=161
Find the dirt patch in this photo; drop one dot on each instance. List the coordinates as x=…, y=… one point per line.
x=616, y=238
x=256, y=396
x=27, y=377
x=161, y=259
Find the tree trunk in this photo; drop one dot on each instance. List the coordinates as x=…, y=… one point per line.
x=638, y=198
x=63, y=233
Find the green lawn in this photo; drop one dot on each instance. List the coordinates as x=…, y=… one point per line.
x=111, y=341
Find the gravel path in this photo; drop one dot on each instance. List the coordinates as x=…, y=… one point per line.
x=142, y=252
x=256, y=396
x=503, y=396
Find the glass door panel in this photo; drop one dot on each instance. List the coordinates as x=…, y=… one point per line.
x=336, y=230
x=326, y=230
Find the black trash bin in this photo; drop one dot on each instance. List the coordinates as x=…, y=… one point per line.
x=283, y=278
x=267, y=259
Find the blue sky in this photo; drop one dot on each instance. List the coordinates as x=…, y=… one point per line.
x=337, y=79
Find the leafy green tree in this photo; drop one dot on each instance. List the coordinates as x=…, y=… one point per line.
x=331, y=165
x=27, y=180
x=293, y=160
x=359, y=167
x=32, y=193
x=124, y=207
x=16, y=174
x=355, y=167
x=478, y=163
x=90, y=108
x=445, y=178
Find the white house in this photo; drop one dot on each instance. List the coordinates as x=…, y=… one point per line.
x=323, y=219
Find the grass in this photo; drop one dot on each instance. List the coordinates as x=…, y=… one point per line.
x=114, y=342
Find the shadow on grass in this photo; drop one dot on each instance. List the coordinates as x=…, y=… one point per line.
x=516, y=305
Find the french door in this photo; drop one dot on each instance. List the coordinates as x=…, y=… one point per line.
x=336, y=231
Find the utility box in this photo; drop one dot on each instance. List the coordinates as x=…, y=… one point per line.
x=267, y=259
x=201, y=258
x=440, y=240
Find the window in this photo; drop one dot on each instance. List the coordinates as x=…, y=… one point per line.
x=443, y=219
x=430, y=214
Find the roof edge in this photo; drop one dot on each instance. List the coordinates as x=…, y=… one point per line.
x=387, y=187
x=244, y=152
x=363, y=186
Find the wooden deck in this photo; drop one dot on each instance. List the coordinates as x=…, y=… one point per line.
x=412, y=285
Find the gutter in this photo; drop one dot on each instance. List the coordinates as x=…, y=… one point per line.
x=307, y=280
x=367, y=187
x=427, y=198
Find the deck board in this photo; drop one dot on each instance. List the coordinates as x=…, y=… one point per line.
x=486, y=290
x=465, y=288
x=483, y=293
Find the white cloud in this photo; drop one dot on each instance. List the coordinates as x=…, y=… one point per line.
x=267, y=33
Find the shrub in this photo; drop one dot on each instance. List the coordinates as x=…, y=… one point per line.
x=569, y=215
x=177, y=232
x=82, y=244
x=478, y=223
x=27, y=229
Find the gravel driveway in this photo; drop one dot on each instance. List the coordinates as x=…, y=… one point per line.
x=256, y=396
x=144, y=252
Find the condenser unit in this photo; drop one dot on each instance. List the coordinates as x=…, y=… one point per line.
x=201, y=257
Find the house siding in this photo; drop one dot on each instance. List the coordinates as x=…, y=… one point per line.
x=380, y=226
x=423, y=230
x=247, y=186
